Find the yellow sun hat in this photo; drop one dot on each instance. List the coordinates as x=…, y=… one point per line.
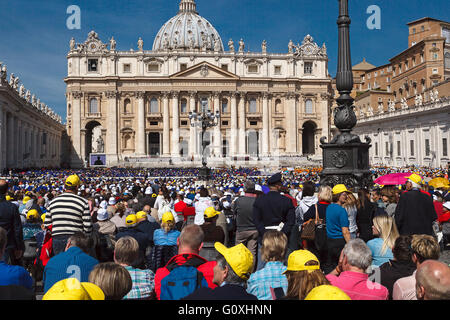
x=210, y=212
x=130, y=219
x=26, y=199
x=297, y=261
x=327, y=292
x=32, y=214
x=166, y=217
x=72, y=181
x=141, y=214
x=72, y=289
x=339, y=188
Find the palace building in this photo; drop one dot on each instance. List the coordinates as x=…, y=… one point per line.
x=134, y=105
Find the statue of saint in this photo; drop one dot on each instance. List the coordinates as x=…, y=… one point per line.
x=72, y=44
x=140, y=44
x=241, y=45
x=112, y=44
x=264, y=46
x=217, y=45
x=291, y=46
x=231, y=45
x=100, y=145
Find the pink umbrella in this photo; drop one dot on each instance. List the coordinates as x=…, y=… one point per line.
x=393, y=178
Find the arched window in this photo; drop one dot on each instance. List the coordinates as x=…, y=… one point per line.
x=153, y=105
x=447, y=60
x=127, y=106
x=278, y=106
x=183, y=106
x=252, y=106
x=308, y=106
x=224, y=106
x=93, y=105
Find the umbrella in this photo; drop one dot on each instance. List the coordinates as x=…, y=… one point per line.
x=439, y=182
x=393, y=178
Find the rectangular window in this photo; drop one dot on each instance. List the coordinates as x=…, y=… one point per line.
x=127, y=67
x=184, y=123
x=253, y=123
x=183, y=66
x=253, y=68
x=427, y=147
x=277, y=69
x=224, y=123
x=92, y=65
x=411, y=147
x=153, y=123
x=308, y=67
x=376, y=148
x=153, y=67
x=444, y=147
x=224, y=67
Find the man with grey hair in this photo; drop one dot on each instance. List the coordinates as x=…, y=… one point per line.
x=433, y=281
x=350, y=274
x=242, y=209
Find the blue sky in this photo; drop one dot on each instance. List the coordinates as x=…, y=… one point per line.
x=34, y=39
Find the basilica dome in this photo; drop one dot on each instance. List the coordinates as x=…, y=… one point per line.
x=188, y=31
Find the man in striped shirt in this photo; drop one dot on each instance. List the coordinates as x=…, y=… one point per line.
x=68, y=214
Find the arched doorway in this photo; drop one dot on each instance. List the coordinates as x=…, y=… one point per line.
x=308, y=144
x=94, y=142
x=253, y=143
x=154, y=145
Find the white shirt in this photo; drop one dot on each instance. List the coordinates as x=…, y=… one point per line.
x=200, y=207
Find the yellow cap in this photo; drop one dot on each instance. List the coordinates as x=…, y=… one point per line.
x=238, y=257
x=327, y=292
x=141, y=214
x=168, y=216
x=210, y=212
x=26, y=199
x=32, y=214
x=131, y=219
x=339, y=188
x=298, y=259
x=73, y=181
x=8, y=198
x=154, y=195
x=72, y=289
x=43, y=217
x=415, y=178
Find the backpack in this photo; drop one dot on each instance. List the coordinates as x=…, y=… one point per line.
x=182, y=280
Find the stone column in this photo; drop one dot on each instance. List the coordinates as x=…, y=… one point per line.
x=234, y=125
x=192, y=130
x=38, y=146
x=217, y=135
x=291, y=130
x=112, y=132
x=175, y=148
x=265, y=131
x=76, y=127
x=325, y=116
x=10, y=141
x=140, y=150
x=2, y=135
x=166, y=124
x=241, y=136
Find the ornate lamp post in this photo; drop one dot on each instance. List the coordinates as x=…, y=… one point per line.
x=346, y=158
x=204, y=120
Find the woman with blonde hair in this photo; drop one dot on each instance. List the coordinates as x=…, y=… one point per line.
x=114, y=280
x=351, y=207
x=303, y=274
x=385, y=231
x=168, y=234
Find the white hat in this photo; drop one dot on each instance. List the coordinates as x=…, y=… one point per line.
x=149, y=190
x=226, y=204
x=447, y=205
x=102, y=214
x=258, y=187
x=112, y=201
x=187, y=201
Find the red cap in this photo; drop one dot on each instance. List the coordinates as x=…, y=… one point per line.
x=179, y=206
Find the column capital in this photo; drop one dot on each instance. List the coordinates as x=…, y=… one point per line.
x=192, y=94
x=111, y=94
x=165, y=94
x=174, y=94
x=216, y=94
x=241, y=94
x=77, y=94
x=266, y=95
x=140, y=94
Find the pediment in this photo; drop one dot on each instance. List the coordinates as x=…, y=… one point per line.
x=205, y=70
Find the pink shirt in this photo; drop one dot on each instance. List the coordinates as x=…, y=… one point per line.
x=358, y=286
x=405, y=288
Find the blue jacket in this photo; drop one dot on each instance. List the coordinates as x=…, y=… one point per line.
x=10, y=221
x=165, y=239
x=14, y=275
x=73, y=263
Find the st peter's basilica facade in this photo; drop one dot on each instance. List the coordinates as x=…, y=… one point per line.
x=134, y=105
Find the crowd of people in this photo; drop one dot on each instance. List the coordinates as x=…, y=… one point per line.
x=160, y=234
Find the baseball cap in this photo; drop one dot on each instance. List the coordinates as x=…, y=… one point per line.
x=327, y=292
x=8, y=198
x=102, y=214
x=32, y=214
x=112, y=201
x=148, y=190
x=26, y=199
x=168, y=216
x=298, y=259
x=238, y=257
x=210, y=212
x=130, y=220
x=339, y=188
x=43, y=217
x=141, y=214
x=72, y=181
x=72, y=289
